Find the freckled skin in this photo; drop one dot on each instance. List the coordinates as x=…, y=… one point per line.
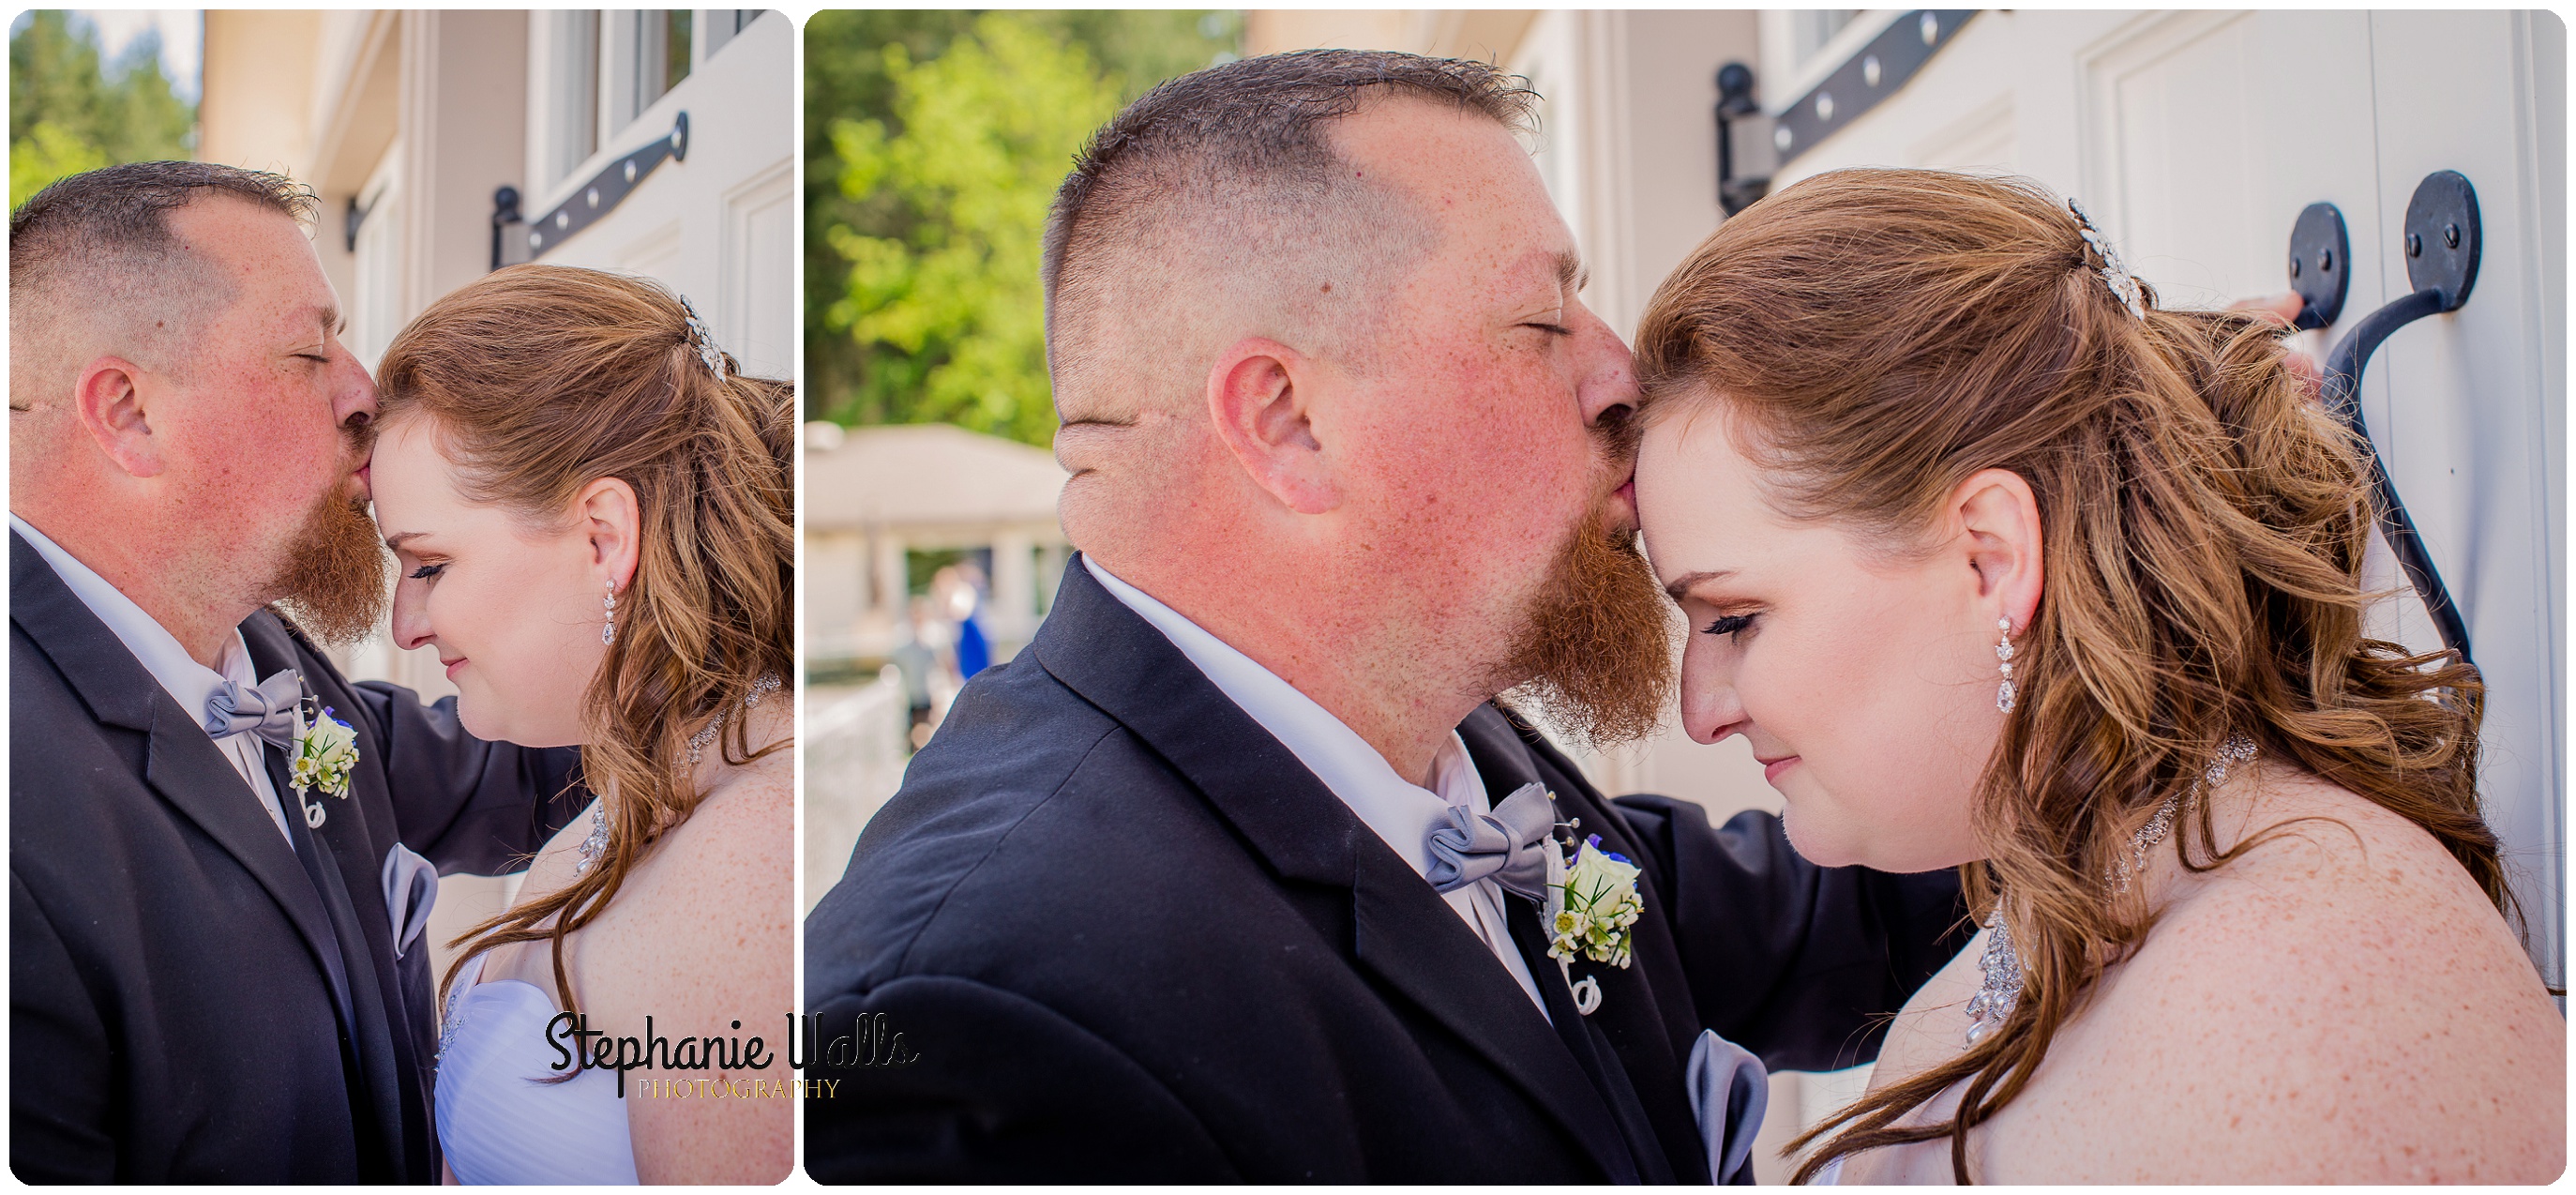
x=247, y=430
x=2336, y=1005
x=1462, y=461
x=699, y=935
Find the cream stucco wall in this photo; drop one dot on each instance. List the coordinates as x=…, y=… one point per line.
x=1488, y=35
x=259, y=81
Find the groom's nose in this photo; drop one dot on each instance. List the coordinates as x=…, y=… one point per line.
x=353, y=402
x=1608, y=382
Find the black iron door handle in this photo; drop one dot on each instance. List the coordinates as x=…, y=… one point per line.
x=2442, y=245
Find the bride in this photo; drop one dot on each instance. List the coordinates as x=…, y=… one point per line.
x=592, y=516
x=1995, y=563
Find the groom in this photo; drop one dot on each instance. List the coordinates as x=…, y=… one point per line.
x=1182, y=892
x=215, y=975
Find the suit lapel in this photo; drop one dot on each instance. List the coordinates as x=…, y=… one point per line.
x=1406, y=934
x=333, y=959
x=180, y=762
x=1414, y=940
x=1632, y=1045
x=341, y=861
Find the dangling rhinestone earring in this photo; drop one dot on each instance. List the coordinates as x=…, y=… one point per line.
x=608, y=629
x=2004, y=653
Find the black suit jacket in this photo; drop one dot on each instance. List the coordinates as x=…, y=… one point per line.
x=192, y=998
x=1111, y=930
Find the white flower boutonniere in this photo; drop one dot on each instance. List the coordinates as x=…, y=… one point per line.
x=1591, y=906
x=326, y=749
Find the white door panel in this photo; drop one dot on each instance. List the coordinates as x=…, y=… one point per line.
x=1982, y=142
x=654, y=253
x=2467, y=396
x=760, y=285
x=2171, y=108
x=685, y=224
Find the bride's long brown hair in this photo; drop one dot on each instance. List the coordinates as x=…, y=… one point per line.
x=1885, y=334
x=541, y=379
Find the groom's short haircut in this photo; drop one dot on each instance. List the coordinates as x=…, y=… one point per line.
x=96, y=247
x=1221, y=192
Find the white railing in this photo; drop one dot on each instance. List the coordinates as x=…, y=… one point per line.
x=855, y=750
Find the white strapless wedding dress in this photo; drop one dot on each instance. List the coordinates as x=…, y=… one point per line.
x=496, y=1123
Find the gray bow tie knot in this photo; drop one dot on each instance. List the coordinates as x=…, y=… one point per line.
x=1508, y=844
x=266, y=711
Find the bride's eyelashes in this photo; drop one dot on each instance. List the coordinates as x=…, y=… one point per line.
x=1728, y=624
x=427, y=571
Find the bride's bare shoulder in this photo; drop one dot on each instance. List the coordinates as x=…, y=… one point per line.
x=736, y=846
x=748, y=816
x=2320, y=870
x=749, y=806
x=2339, y=1002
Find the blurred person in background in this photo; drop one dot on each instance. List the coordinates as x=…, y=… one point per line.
x=916, y=656
x=958, y=591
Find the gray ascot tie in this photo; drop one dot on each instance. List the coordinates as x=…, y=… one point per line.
x=1507, y=844
x=267, y=711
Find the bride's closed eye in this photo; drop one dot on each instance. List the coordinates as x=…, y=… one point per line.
x=1728, y=624
x=427, y=571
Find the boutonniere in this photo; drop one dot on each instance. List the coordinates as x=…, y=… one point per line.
x=326, y=749
x=1591, y=906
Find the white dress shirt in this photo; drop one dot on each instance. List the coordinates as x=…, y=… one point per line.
x=1401, y=812
x=189, y=682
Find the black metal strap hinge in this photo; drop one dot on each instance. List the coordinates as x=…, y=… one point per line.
x=515, y=242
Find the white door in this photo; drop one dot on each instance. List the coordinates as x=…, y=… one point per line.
x=375, y=302
x=2194, y=139
x=716, y=224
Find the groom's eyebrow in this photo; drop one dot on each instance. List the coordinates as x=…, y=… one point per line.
x=1570, y=273
x=328, y=318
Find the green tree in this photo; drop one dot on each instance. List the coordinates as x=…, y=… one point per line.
x=69, y=111
x=987, y=126
x=935, y=143
x=48, y=152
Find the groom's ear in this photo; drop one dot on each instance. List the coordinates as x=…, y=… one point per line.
x=613, y=521
x=108, y=401
x=1260, y=402
x=1999, y=516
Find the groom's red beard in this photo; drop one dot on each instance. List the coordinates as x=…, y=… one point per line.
x=334, y=583
x=1596, y=651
